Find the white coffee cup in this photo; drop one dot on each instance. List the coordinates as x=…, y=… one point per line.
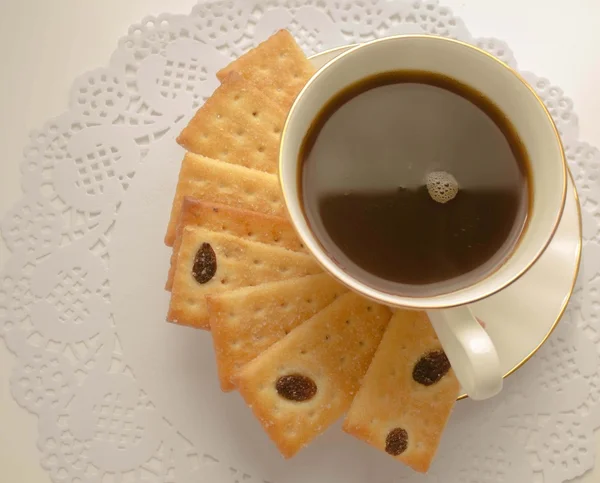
x=467, y=345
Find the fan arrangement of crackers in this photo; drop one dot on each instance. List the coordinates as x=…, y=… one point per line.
x=300, y=348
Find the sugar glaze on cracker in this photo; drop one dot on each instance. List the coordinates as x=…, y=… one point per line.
x=278, y=67
x=238, y=263
x=272, y=230
x=407, y=394
x=303, y=383
x=247, y=321
x=218, y=182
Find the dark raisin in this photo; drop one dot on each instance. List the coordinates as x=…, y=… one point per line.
x=205, y=264
x=430, y=368
x=296, y=387
x=396, y=441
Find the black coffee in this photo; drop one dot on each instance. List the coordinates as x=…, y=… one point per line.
x=365, y=166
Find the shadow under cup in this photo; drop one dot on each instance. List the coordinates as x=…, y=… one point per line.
x=483, y=73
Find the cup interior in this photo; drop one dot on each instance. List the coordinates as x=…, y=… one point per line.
x=477, y=69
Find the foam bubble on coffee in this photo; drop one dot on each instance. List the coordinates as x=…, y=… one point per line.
x=442, y=186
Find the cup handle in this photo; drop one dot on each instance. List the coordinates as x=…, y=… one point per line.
x=470, y=351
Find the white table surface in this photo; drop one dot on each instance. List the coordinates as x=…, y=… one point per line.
x=45, y=45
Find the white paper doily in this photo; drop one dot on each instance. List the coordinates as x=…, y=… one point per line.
x=101, y=418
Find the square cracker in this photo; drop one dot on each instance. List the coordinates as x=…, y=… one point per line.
x=210, y=263
x=277, y=66
x=394, y=412
x=246, y=322
x=209, y=180
x=272, y=230
x=304, y=382
x=238, y=124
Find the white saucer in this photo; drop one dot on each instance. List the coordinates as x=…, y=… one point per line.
x=521, y=317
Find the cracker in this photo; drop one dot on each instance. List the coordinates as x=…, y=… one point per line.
x=210, y=263
x=272, y=230
x=394, y=412
x=277, y=66
x=214, y=181
x=246, y=322
x=304, y=382
x=238, y=124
